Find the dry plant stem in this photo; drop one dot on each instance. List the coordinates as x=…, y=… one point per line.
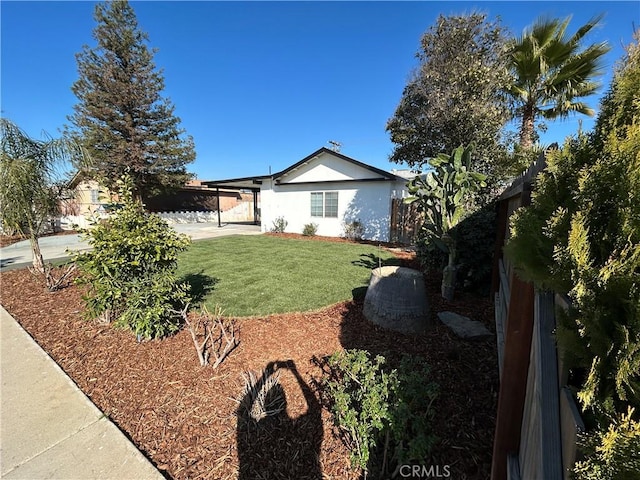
x=51, y=281
x=203, y=356
x=386, y=450
x=208, y=345
x=230, y=339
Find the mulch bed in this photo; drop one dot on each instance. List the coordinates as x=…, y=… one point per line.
x=186, y=419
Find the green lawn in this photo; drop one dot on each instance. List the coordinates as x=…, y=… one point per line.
x=259, y=275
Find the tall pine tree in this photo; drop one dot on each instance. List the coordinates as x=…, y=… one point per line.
x=121, y=117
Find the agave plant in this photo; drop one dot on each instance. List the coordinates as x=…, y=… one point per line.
x=262, y=396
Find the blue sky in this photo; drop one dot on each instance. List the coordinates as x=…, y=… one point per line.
x=260, y=85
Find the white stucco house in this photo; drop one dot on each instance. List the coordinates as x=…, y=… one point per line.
x=329, y=189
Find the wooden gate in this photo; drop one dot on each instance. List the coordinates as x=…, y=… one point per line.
x=405, y=222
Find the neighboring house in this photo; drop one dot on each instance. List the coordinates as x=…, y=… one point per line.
x=329, y=189
x=87, y=197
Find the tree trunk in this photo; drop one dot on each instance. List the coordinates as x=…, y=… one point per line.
x=527, y=127
x=38, y=261
x=447, y=289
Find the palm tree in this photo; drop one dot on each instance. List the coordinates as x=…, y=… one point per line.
x=552, y=73
x=28, y=172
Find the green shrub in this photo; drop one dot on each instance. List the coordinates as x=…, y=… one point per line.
x=131, y=270
x=541, y=229
x=411, y=414
x=310, y=229
x=151, y=301
x=581, y=236
x=611, y=454
x=279, y=225
x=476, y=236
x=354, y=230
x=383, y=413
x=360, y=391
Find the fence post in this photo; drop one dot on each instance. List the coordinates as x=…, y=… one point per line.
x=502, y=223
x=513, y=384
x=218, y=195
x=549, y=436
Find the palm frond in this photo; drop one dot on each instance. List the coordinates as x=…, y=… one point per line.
x=552, y=70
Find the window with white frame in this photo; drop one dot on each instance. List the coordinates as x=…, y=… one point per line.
x=95, y=196
x=331, y=204
x=324, y=204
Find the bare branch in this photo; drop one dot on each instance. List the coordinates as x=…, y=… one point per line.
x=53, y=283
x=231, y=342
x=204, y=327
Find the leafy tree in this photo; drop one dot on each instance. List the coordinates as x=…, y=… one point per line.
x=620, y=105
x=121, y=116
x=455, y=97
x=552, y=73
x=30, y=175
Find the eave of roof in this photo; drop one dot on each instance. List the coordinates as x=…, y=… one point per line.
x=308, y=158
x=253, y=183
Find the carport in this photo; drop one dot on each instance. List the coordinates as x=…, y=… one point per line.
x=251, y=184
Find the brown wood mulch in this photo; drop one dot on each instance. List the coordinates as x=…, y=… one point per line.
x=186, y=418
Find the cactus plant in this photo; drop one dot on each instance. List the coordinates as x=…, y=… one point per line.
x=443, y=195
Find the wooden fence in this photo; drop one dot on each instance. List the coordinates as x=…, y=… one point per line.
x=405, y=222
x=537, y=420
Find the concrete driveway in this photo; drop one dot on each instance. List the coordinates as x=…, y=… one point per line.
x=58, y=247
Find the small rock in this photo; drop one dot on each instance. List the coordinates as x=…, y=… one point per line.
x=464, y=327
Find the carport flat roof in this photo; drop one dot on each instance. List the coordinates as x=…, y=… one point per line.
x=246, y=183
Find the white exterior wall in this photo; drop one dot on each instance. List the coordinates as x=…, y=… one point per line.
x=327, y=168
x=368, y=202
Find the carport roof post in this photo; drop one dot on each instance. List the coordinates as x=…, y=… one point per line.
x=248, y=183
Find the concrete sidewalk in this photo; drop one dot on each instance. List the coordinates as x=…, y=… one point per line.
x=57, y=247
x=49, y=428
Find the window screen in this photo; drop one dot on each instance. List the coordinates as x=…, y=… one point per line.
x=331, y=204
x=316, y=204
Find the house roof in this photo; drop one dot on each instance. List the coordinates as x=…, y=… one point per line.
x=253, y=183
x=78, y=177
x=307, y=159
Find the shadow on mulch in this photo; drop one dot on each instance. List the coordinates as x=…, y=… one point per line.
x=278, y=445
